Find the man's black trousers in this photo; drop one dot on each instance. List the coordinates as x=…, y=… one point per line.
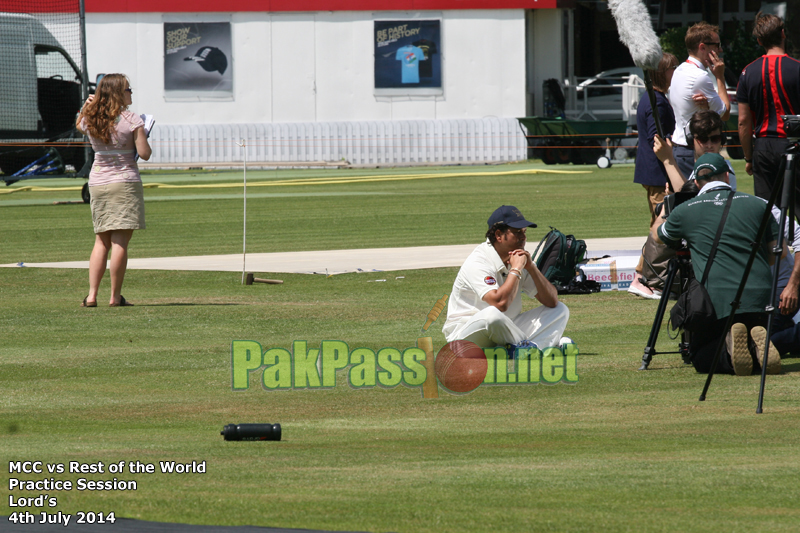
x=767, y=156
x=703, y=344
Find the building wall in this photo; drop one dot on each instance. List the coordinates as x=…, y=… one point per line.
x=319, y=66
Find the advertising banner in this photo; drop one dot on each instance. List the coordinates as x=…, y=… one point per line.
x=197, y=60
x=408, y=57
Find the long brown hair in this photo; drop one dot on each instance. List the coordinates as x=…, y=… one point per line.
x=109, y=101
x=659, y=77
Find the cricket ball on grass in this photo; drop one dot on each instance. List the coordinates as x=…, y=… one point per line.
x=461, y=366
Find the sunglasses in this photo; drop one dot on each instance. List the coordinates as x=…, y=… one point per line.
x=713, y=44
x=711, y=138
x=129, y=90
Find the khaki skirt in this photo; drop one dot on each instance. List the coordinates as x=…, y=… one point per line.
x=117, y=206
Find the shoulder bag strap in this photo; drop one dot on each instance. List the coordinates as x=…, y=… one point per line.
x=716, y=239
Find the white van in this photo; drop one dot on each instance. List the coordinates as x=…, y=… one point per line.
x=41, y=93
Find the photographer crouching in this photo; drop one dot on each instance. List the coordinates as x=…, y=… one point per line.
x=697, y=221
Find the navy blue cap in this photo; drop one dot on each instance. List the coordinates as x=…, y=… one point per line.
x=510, y=216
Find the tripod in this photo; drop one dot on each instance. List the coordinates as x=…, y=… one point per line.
x=682, y=262
x=786, y=182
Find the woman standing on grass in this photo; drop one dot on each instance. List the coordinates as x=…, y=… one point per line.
x=649, y=171
x=115, y=187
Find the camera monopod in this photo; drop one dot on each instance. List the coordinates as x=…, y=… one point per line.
x=784, y=183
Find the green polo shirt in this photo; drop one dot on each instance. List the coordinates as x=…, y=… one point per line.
x=697, y=222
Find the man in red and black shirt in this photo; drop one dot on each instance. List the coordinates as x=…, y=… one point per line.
x=768, y=88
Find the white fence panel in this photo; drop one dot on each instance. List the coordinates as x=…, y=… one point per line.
x=362, y=143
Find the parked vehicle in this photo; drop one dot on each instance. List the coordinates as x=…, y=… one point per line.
x=602, y=128
x=601, y=95
x=41, y=93
x=604, y=99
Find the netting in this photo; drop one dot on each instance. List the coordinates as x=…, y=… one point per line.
x=40, y=87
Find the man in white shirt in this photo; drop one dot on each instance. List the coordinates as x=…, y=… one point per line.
x=693, y=88
x=485, y=306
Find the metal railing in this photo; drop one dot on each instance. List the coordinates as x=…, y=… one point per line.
x=630, y=87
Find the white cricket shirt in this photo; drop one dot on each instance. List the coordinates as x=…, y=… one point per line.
x=483, y=271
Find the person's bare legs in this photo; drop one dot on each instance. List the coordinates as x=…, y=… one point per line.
x=119, y=261
x=97, y=264
x=636, y=286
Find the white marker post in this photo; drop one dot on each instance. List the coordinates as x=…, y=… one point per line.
x=243, y=146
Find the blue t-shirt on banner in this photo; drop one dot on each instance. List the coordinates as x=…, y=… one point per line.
x=409, y=57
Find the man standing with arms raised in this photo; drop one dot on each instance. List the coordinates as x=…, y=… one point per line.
x=768, y=88
x=693, y=89
x=485, y=306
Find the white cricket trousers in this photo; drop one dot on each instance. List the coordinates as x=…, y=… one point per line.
x=490, y=327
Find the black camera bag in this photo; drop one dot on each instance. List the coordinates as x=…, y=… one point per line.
x=694, y=311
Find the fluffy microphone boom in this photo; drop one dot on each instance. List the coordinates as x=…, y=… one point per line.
x=636, y=32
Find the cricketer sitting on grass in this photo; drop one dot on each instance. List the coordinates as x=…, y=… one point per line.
x=485, y=306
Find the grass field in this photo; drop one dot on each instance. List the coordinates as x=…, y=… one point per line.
x=620, y=450
x=294, y=216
